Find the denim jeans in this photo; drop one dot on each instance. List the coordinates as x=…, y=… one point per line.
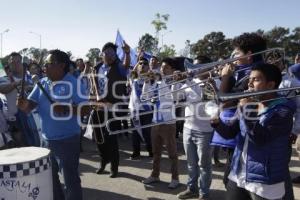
x=65, y=158
x=198, y=152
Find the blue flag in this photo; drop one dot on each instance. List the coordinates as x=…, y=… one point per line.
x=120, y=43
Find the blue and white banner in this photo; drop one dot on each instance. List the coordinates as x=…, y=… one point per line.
x=120, y=43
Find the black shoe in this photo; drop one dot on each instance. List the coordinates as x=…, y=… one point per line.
x=219, y=164
x=113, y=174
x=101, y=169
x=187, y=195
x=296, y=180
x=135, y=156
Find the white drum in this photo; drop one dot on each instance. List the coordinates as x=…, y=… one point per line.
x=25, y=174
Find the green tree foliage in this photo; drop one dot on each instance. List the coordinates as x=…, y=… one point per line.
x=148, y=43
x=167, y=51
x=160, y=22
x=35, y=54
x=214, y=44
x=93, y=54
x=277, y=36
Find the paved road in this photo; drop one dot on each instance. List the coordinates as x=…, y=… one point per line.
x=128, y=185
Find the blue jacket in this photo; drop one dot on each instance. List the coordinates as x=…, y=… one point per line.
x=267, y=153
x=217, y=139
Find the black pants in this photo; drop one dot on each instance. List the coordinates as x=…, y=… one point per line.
x=230, y=152
x=109, y=150
x=136, y=138
x=236, y=193
x=288, y=186
x=179, y=123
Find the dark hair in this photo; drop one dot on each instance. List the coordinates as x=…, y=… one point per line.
x=176, y=63
x=203, y=59
x=79, y=59
x=110, y=45
x=271, y=72
x=144, y=59
x=251, y=42
x=155, y=57
x=72, y=63
x=61, y=57
x=34, y=64
x=15, y=54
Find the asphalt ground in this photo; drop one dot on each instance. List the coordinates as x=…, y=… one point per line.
x=128, y=185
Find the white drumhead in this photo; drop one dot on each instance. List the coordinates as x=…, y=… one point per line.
x=21, y=155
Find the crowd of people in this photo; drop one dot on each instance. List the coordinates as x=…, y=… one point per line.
x=160, y=100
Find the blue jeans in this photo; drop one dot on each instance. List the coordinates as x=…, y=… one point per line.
x=198, y=152
x=65, y=158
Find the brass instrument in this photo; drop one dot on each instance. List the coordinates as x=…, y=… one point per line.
x=94, y=95
x=212, y=107
x=209, y=90
x=149, y=76
x=202, y=70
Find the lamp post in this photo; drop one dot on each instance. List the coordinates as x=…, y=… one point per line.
x=40, y=36
x=2, y=39
x=162, y=38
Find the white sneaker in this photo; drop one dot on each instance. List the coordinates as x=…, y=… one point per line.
x=174, y=184
x=151, y=179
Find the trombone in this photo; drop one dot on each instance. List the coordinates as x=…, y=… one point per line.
x=205, y=69
x=212, y=106
x=240, y=95
x=210, y=92
x=94, y=113
x=111, y=132
x=145, y=76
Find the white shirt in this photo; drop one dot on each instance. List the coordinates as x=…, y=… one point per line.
x=135, y=103
x=196, y=119
x=274, y=191
x=288, y=81
x=164, y=109
x=11, y=98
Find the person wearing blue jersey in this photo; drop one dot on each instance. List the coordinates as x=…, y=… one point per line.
x=59, y=123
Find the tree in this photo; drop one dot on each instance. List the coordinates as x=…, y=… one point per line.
x=160, y=23
x=186, y=52
x=35, y=54
x=292, y=43
x=148, y=43
x=277, y=36
x=214, y=45
x=260, y=32
x=93, y=54
x=167, y=51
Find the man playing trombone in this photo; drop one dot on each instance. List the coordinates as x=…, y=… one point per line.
x=234, y=77
x=263, y=125
x=164, y=133
x=111, y=79
x=197, y=134
x=138, y=110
